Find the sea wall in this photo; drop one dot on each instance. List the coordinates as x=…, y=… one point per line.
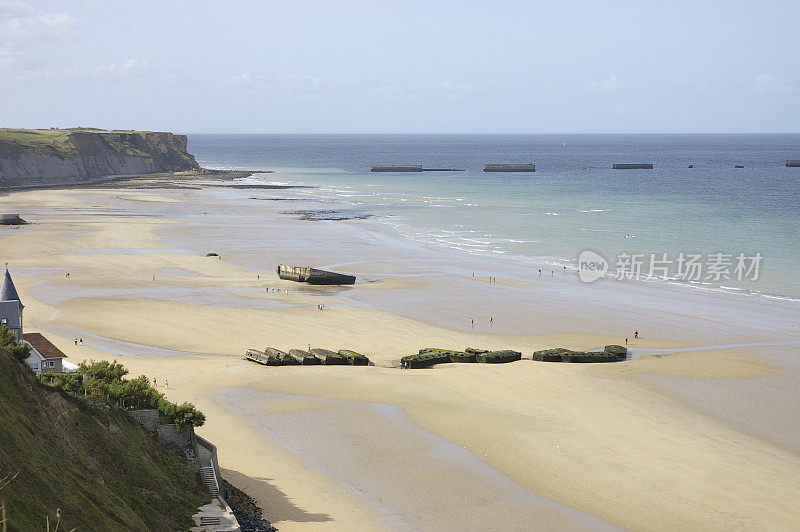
x=86, y=156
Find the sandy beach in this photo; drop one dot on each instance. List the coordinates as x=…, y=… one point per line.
x=698, y=430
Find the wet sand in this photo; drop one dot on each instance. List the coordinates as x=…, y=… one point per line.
x=704, y=437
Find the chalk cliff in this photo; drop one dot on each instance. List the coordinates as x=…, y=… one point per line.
x=68, y=156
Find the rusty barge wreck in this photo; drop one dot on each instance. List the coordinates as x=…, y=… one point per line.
x=305, y=274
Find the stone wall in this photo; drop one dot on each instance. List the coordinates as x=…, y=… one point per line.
x=147, y=418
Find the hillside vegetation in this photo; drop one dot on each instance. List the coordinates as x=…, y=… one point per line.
x=91, y=461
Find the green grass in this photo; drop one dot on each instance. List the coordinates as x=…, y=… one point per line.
x=93, y=462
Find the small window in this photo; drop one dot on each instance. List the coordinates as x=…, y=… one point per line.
x=52, y=364
x=5, y=321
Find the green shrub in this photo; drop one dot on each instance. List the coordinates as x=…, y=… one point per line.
x=9, y=341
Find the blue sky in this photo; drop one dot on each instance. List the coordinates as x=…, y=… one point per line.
x=314, y=66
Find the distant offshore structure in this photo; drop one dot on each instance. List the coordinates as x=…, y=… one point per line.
x=510, y=167
x=409, y=168
x=397, y=168
x=632, y=166
x=794, y=163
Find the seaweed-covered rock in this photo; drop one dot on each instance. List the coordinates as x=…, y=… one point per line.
x=550, y=355
x=561, y=354
x=452, y=356
x=306, y=358
x=617, y=350
x=330, y=358
x=353, y=358
x=499, y=357
x=425, y=359
x=475, y=351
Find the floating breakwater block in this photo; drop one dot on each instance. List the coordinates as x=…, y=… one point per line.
x=353, y=358
x=561, y=354
x=289, y=360
x=632, y=166
x=425, y=359
x=616, y=350
x=499, y=357
x=330, y=358
x=305, y=357
x=452, y=356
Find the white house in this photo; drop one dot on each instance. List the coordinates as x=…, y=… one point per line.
x=45, y=357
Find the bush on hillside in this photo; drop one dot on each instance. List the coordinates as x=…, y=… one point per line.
x=9, y=341
x=102, y=382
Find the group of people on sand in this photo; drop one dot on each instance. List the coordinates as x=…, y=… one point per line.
x=155, y=383
x=321, y=306
x=78, y=341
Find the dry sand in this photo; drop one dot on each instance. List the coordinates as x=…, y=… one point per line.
x=618, y=442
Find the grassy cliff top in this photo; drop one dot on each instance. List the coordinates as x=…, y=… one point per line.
x=58, y=142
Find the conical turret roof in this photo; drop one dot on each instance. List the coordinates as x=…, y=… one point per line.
x=8, y=292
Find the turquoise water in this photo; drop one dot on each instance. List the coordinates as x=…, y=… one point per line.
x=574, y=201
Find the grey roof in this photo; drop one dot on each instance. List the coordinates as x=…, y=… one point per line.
x=9, y=311
x=8, y=291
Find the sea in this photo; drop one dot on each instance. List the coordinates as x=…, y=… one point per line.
x=696, y=219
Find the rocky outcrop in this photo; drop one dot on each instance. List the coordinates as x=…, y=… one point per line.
x=35, y=158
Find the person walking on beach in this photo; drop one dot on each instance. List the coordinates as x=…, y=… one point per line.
x=154, y=383
x=81, y=341
x=76, y=341
x=166, y=384
x=472, y=321
x=626, y=341
x=636, y=335
x=491, y=320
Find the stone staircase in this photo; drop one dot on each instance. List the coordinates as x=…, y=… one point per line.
x=210, y=480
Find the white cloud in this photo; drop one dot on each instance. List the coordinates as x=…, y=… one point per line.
x=245, y=78
x=610, y=84
x=19, y=30
x=767, y=83
x=22, y=27
x=125, y=67
x=15, y=8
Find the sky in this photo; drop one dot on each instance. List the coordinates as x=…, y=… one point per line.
x=375, y=66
